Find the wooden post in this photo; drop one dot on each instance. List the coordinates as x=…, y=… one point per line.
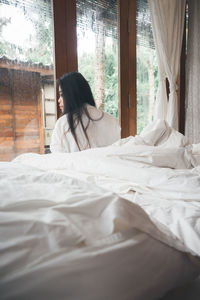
x=127, y=67
x=65, y=40
x=132, y=69
x=181, y=90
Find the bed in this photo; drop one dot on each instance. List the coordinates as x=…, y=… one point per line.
x=120, y=222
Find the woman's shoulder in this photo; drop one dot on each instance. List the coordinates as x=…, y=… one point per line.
x=62, y=118
x=111, y=117
x=61, y=122
x=94, y=112
x=99, y=112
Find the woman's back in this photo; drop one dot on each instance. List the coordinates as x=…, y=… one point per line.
x=102, y=130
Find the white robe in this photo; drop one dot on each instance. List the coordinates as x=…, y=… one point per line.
x=102, y=132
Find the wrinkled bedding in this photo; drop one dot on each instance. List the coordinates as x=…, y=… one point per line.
x=70, y=222
x=71, y=211
x=157, y=170
x=61, y=238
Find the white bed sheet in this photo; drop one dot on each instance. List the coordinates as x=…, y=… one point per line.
x=170, y=197
x=133, y=267
x=62, y=238
x=124, y=266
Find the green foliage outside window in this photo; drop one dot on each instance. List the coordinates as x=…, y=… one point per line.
x=39, y=49
x=86, y=67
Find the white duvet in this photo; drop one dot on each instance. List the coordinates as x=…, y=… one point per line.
x=155, y=175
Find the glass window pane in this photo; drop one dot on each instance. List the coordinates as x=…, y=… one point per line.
x=147, y=68
x=97, y=36
x=26, y=77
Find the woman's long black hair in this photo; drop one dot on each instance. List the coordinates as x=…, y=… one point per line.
x=76, y=93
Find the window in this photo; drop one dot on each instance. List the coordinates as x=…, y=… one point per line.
x=147, y=67
x=97, y=37
x=27, y=108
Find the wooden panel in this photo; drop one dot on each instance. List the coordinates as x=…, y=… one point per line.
x=4, y=77
x=41, y=125
x=64, y=13
x=123, y=14
x=5, y=111
x=5, y=123
x=23, y=131
x=26, y=115
x=27, y=143
x=32, y=150
x=20, y=114
x=7, y=132
x=26, y=67
x=181, y=91
x=28, y=119
x=5, y=99
x=65, y=40
x=7, y=156
x=6, y=120
x=7, y=144
x=25, y=87
x=26, y=107
x=28, y=125
x=127, y=66
x=6, y=116
x=132, y=68
x=4, y=95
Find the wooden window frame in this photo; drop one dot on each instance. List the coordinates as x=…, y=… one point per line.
x=64, y=15
x=65, y=41
x=128, y=64
x=181, y=90
x=127, y=67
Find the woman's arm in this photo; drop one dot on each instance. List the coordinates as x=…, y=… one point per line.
x=57, y=138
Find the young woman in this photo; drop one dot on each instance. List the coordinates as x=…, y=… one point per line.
x=82, y=125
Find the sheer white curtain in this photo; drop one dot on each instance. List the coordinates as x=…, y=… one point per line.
x=192, y=128
x=167, y=23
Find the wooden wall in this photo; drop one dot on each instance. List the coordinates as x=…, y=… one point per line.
x=21, y=128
